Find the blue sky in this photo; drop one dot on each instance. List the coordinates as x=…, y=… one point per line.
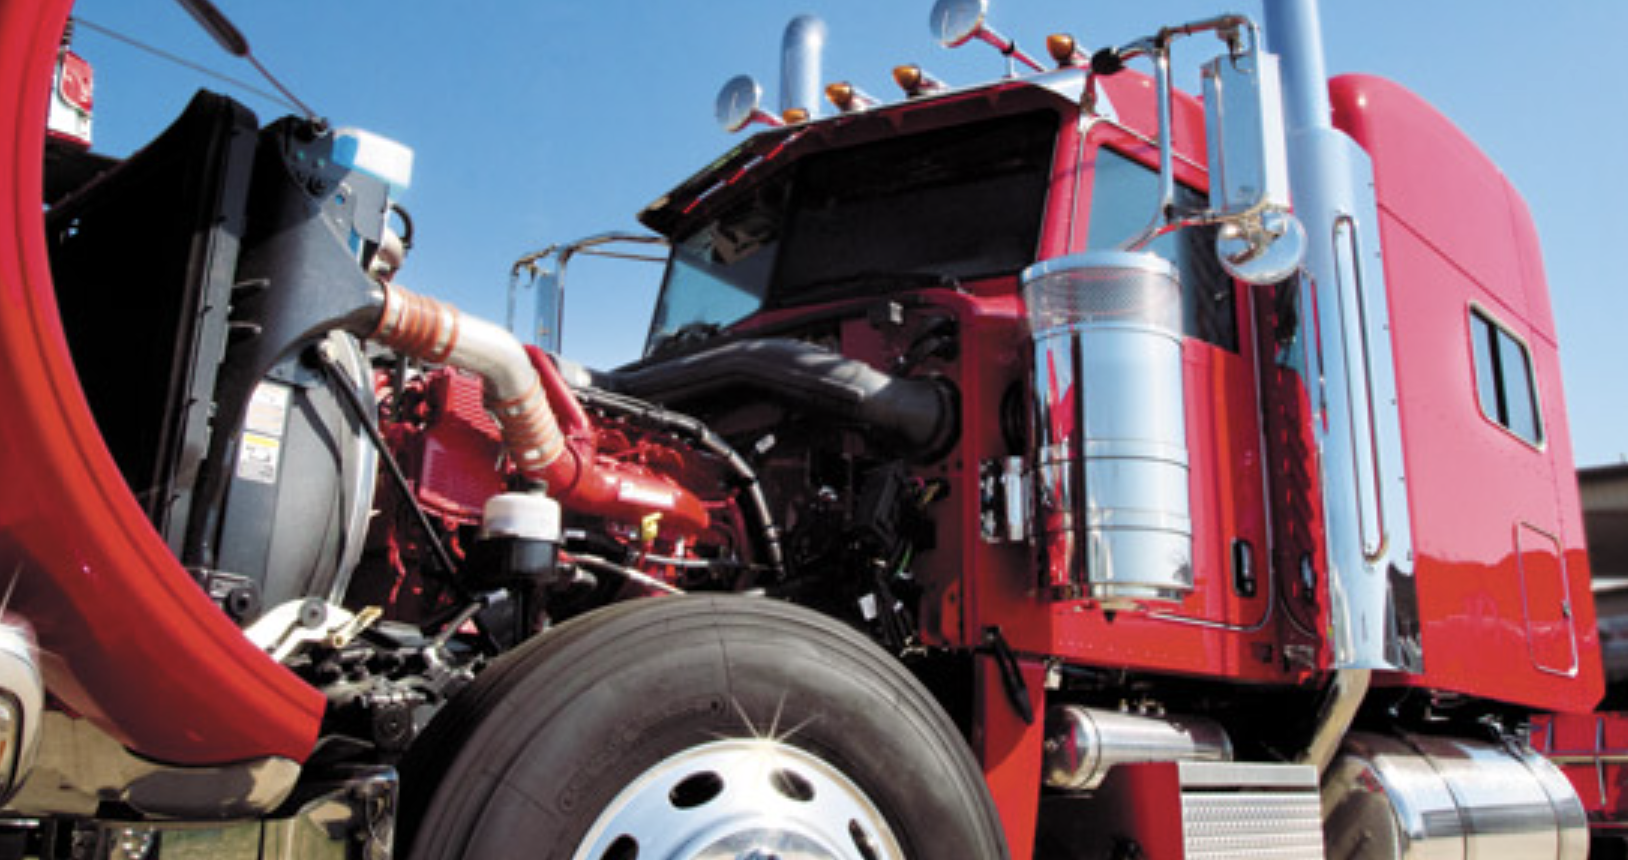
x=546, y=121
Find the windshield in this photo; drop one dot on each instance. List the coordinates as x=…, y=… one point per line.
x=960, y=202
x=954, y=203
x=717, y=276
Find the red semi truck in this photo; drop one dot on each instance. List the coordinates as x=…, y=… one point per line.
x=1064, y=467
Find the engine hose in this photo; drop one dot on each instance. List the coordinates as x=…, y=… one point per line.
x=406, y=225
x=424, y=328
x=601, y=565
x=533, y=414
x=693, y=429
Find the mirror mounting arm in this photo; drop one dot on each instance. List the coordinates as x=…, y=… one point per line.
x=1009, y=49
x=1257, y=228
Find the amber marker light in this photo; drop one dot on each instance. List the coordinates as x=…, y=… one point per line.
x=793, y=116
x=915, y=81
x=1062, y=48
x=848, y=98
x=840, y=95
x=908, y=78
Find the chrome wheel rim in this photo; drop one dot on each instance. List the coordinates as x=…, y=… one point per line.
x=741, y=799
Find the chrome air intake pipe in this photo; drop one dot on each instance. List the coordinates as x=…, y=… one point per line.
x=1083, y=744
x=439, y=333
x=529, y=411
x=1450, y=799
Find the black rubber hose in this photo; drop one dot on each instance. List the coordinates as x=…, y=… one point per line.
x=702, y=435
x=914, y=416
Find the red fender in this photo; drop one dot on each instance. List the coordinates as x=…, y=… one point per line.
x=129, y=641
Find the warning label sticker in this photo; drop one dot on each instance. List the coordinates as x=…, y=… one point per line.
x=257, y=458
x=268, y=409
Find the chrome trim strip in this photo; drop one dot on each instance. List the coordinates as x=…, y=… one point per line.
x=1345, y=697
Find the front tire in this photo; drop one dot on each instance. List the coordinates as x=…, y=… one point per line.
x=696, y=727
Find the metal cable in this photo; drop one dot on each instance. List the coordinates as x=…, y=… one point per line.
x=181, y=61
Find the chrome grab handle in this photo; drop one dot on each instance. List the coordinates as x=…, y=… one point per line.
x=1369, y=481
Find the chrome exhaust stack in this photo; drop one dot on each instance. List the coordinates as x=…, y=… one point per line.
x=801, y=51
x=1349, y=371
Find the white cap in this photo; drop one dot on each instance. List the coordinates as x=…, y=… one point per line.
x=379, y=157
x=521, y=515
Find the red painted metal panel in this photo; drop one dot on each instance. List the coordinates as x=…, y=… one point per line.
x=1458, y=241
x=1227, y=502
x=1068, y=185
x=1012, y=750
x=1146, y=807
x=1215, y=632
x=1436, y=180
x=130, y=641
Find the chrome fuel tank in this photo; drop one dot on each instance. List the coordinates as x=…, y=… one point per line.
x=1432, y=798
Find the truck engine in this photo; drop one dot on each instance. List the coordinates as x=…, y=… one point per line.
x=1014, y=470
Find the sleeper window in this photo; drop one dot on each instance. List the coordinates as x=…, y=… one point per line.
x=1503, y=378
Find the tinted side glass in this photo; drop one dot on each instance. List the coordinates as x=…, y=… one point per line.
x=1503, y=378
x=1122, y=200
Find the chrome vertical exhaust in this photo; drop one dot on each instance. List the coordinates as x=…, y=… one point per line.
x=1351, y=379
x=800, y=54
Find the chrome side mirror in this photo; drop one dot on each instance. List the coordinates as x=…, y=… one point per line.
x=740, y=103
x=1261, y=241
x=955, y=22
x=1243, y=107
